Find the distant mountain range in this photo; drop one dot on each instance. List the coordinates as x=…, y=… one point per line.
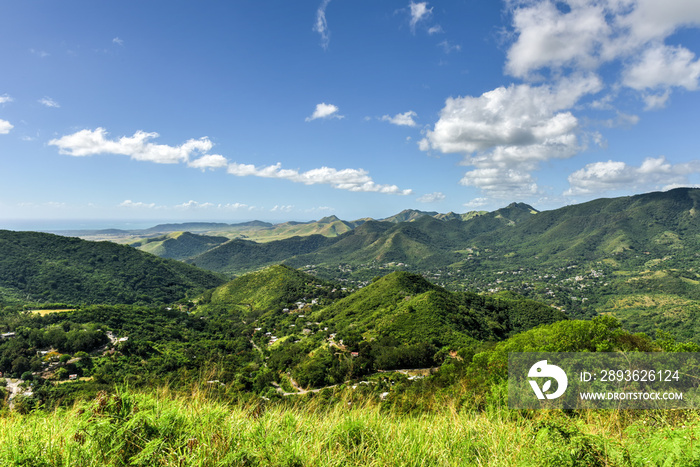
x=655, y=223
x=635, y=256
x=260, y=231
x=418, y=238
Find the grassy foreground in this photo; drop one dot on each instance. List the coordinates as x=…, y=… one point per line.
x=163, y=429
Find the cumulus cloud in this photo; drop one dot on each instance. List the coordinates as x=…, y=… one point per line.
x=548, y=37
x=5, y=98
x=5, y=127
x=404, y=119
x=431, y=197
x=48, y=102
x=345, y=179
x=662, y=67
x=419, y=12
x=324, y=110
x=653, y=173
x=585, y=34
x=506, y=133
x=138, y=147
x=321, y=25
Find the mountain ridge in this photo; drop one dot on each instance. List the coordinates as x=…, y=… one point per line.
x=53, y=268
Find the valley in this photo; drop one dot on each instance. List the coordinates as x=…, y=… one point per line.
x=579, y=258
x=340, y=322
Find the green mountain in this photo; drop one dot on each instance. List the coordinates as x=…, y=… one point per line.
x=271, y=289
x=409, y=309
x=324, y=334
x=179, y=245
x=408, y=215
x=658, y=223
x=329, y=226
x=236, y=256
x=50, y=268
x=205, y=226
x=423, y=242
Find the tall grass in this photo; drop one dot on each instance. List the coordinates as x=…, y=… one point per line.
x=161, y=428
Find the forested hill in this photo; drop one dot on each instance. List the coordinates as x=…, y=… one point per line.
x=659, y=223
x=43, y=267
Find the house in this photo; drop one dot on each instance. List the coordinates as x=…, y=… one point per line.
x=354, y=354
x=72, y=377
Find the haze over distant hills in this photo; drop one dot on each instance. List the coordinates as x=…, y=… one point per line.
x=636, y=255
x=584, y=258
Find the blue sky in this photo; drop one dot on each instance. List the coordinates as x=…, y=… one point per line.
x=278, y=110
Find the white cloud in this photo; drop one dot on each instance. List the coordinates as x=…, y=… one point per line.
x=502, y=182
x=506, y=133
x=209, y=161
x=419, y=12
x=512, y=117
x=662, y=67
x=191, y=205
x=404, y=119
x=48, y=102
x=653, y=173
x=585, y=34
x=137, y=147
x=5, y=99
x=476, y=203
x=321, y=25
x=435, y=29
x=117, y=41
x=656, y=101
x=345, y=179
x=650, y=20
x=547, y=37
x=5, y=127
x=431, y=197
x=235, y=207
x=324, y=110
x=137, y=205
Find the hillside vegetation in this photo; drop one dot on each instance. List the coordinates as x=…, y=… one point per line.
x=165, y=429
x=179, y=245
x=281, y=367
x=43, y=267
x=378, y=351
